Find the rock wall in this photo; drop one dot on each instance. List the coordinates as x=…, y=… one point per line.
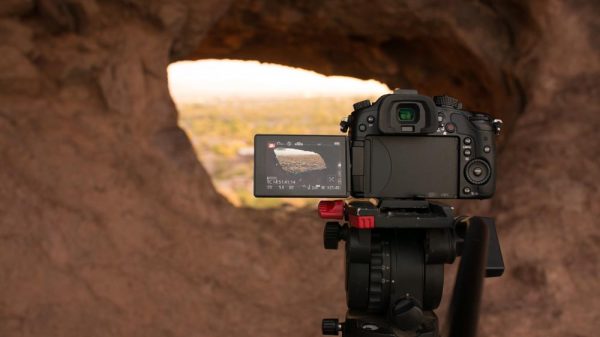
x=110, y=226
x=478, y=51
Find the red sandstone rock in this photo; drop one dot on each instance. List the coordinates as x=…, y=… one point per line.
x=110, y=227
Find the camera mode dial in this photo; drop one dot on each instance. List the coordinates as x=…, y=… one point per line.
x=478, y=172
x=447, y=101
x=480, y=116
x=361, y=105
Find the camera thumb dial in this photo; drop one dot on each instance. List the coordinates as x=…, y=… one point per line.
x=447, y=101
x=478, y=172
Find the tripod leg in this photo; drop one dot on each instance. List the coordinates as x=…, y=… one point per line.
x=463, y=314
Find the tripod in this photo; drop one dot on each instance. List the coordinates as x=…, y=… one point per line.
x=395, y=256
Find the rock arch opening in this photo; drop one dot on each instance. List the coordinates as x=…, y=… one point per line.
x=222, y=104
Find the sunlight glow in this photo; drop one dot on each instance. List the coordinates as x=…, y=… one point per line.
x=199, y=81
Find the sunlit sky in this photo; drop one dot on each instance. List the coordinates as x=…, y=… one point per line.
x=198, y=81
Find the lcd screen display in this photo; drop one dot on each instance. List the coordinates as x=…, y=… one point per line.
x=413, y=167
x=300, y=166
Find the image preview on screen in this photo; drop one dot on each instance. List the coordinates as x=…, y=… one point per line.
x=300, y=166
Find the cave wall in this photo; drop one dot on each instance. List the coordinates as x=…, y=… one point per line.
x=477, y=50
x=110, y=226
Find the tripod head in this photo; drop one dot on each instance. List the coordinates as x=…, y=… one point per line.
x=402, y=148
x=395, y=252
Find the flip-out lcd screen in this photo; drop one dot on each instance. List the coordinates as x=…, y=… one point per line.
x=300, y=166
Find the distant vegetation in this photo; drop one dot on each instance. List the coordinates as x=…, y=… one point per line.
x=223, y=131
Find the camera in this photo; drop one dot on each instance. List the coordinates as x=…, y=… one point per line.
x=402, y=146
x=399, y=151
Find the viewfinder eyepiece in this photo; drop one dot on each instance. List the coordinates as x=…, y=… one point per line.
x=407, y=112
x=402, y=113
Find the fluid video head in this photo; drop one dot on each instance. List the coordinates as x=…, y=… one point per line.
x=404, y=145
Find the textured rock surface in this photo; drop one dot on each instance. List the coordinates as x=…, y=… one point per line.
x=109, y=225
x=478, y=51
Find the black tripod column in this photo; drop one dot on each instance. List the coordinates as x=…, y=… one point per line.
x=463, y=315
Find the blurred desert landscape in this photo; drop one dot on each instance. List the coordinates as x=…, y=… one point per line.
x=222, y=133
x=112, y=225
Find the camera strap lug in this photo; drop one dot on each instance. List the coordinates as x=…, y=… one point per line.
x=344, y=124
x=497, y=124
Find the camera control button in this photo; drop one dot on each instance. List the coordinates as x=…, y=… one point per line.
x=487, y=149
x=370, y=119
x=478, y=172
x=467, y=152
x=467, y=141
x=467, y=190
x=440, y=117
x=450, y=127
x=362, y=127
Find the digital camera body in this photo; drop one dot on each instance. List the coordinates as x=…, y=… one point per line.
x=403, y=146
x=406, y=145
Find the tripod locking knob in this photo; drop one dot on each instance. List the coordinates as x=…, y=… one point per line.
x=331, y=326
x=332, y=234
x=331, y=209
